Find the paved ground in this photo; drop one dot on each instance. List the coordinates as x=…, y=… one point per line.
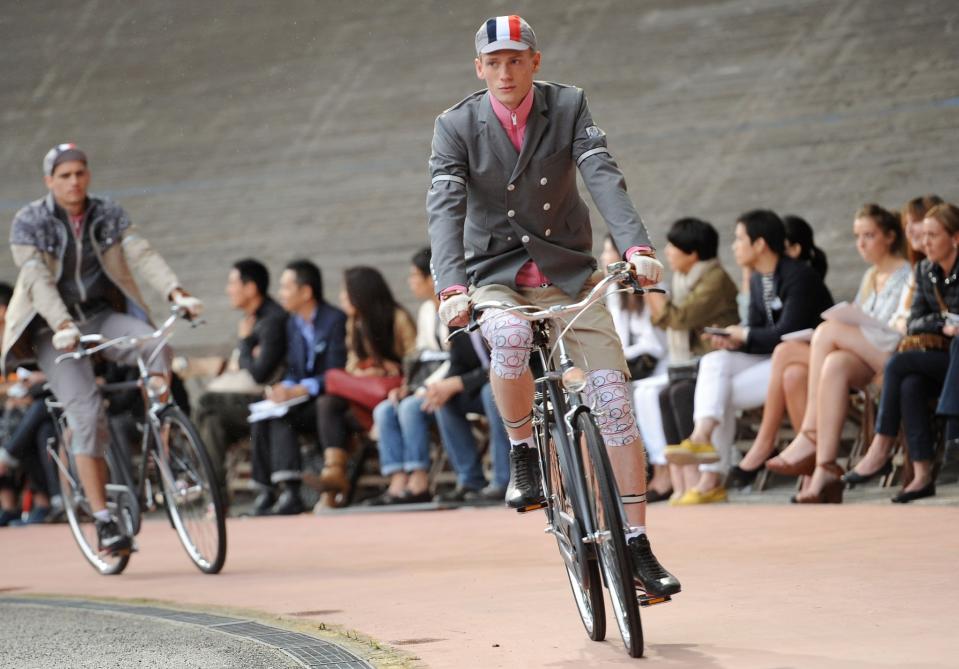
x=235, y=128
x=860, y=586
x=42, y=637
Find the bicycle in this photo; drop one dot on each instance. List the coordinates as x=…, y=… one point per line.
x=583, y=508
x=174, y=467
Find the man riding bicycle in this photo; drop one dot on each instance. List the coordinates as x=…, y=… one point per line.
x=507, y=223
x=75, y=252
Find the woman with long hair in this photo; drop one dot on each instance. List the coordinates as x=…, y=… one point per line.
x=915, y=374
x=379, y=332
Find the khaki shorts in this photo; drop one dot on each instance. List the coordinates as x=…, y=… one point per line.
x=592, y=342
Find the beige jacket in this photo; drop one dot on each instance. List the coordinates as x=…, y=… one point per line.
x=38, y=240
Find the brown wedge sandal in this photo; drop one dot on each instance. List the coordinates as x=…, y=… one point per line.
x=803, y=467
x=831, y=492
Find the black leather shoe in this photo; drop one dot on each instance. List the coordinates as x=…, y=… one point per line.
x=415, y=498
x=740, y=478
x=383, y=499
x=852, y=478
x=928, y=490
x=110, y=539
x=653, y=496
x=651, y=576
x=524, y=492
x=264, y=502
x=289, y=502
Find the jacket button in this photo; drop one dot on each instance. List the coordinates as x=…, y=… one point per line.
x=511, y=213
x=511, y=187
x=548, y=232
x=525, y=239
x=543, y=181
x=546, y=207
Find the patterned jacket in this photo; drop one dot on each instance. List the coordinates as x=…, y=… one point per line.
x=38, y=240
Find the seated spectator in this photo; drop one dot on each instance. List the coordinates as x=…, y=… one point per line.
x=379, y=334
x=785, y=295
x=839, y=357
x=466, y=389
x=315, y=342
x=19, y=422
x=915, y=374
x=702, y=294
x=912, y=216
x=256, y=361
x=644, y=344
x=402, y=426
x=25, y=428
x=788, y=377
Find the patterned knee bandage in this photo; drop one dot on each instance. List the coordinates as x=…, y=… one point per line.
x=510, y=340
x=608, y=393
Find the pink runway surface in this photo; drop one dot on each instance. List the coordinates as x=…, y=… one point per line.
x=857, y=586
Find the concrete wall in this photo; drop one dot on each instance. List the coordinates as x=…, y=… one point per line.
x=302, y=128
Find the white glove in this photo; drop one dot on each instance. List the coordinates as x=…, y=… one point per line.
x=192, y=304
x=649, y=271
x=454, y=308
x=66, y=338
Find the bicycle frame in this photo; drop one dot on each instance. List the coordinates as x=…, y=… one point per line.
x=156, y=395
x=562, y=397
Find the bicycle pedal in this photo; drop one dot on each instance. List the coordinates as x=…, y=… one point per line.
x=532, y=507
x=646, y=600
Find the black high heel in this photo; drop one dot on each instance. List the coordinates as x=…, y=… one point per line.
x=740, y=478
x=928, y=490
x=852, y=477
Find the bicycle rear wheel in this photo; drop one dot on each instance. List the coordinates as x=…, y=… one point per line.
x=80, y=519
x=582, y=569
x=610, y=540
x=190, y=492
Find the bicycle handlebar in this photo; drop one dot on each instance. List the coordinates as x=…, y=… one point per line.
x=128, y=341
x=620, y=272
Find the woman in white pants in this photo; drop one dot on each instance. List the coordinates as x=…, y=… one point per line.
x=702, y=294
x=785, y=295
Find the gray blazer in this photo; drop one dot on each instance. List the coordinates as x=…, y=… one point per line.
x=491, y=210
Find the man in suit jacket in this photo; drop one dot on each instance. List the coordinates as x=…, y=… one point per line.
x=316, y=342
x=258, y=359
x=507, y=223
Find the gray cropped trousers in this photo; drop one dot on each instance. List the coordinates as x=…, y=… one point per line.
x=74, y=383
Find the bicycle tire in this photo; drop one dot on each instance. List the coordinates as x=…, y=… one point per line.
x=190, y=492
x=584, y=580
x=80, y=521
x=610, y=540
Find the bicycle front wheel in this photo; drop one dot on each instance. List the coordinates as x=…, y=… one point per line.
x=610, y=539
x=190, y=492
x=581, y=567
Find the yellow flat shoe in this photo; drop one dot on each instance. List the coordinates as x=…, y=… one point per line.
x=713, y=496
x=688, y=498
x=681, y=453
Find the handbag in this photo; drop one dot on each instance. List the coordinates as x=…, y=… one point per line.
x=682, y=371
x=926, y=341
x=366, y=391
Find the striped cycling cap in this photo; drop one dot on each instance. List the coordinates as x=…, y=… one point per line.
x=505, y=32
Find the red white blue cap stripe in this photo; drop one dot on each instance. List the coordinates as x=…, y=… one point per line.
x=503, y=28
x=505, y=32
